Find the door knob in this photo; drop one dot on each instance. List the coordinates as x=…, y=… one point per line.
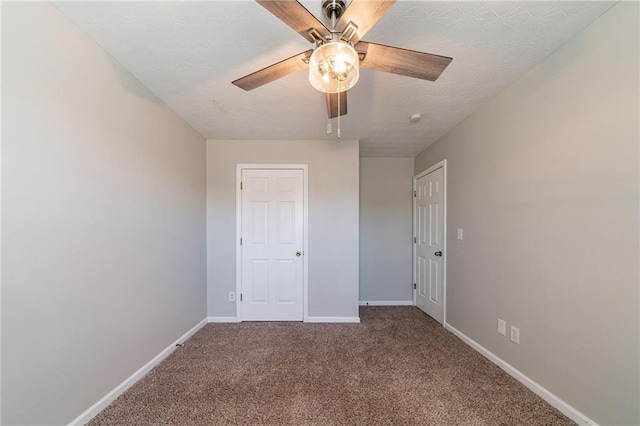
x=298, y=253
x=438, y=253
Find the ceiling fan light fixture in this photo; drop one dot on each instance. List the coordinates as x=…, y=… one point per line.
x=334, y=67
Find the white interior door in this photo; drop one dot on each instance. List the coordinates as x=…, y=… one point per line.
x=429, y=244
x=271, y=247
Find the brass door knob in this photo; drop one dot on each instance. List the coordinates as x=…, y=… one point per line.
x=298, y=253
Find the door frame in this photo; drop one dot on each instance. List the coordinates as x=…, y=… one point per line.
x=305, y=227
x=442, y=164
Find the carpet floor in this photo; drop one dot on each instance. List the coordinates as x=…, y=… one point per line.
x=398, y=366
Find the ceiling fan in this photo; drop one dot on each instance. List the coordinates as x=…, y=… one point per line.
x=339, y=52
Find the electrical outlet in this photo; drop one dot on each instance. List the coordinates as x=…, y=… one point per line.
x=460, y=233
x=515, y=334
x=232, y=296
x=502, y=327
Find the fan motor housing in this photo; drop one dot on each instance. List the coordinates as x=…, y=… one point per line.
x=333, y=7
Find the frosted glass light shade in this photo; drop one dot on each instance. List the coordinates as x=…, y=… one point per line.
x=334, y=67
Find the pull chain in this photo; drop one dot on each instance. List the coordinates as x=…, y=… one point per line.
x=338, y=111
x=334, y=19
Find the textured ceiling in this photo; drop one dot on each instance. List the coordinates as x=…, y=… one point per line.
x=188, y=53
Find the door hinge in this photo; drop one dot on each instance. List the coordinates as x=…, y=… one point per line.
x=240, y=241
x=415, y=286
x=240, y=186
x=415, y=194
x=414, y=240
x=241, y=297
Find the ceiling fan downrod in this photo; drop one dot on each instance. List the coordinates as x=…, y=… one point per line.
x=333, y=9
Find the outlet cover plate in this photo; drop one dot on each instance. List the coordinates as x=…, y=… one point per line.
x=515, y=334
x=502, y=327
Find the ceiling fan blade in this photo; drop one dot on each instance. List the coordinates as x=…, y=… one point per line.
x=406, y=62
x=295, y=15
x=274, y=72
x=332, y=104
x=364, y=14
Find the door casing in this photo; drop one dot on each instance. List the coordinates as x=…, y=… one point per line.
x=305, y=239
x=442, y=164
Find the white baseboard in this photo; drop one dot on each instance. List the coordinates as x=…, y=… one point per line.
x=309, y=319
x=334, y=319
x=222, y=319
x=92, y=411
x=542, y=392
x=386, y=303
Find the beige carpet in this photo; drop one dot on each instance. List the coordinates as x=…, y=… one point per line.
x=397, y=367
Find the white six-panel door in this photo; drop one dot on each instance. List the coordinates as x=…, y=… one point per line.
x=272, y=245
x=429, y=245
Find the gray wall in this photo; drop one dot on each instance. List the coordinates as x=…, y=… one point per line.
x=333, y=220
x=104, y=202
x=386, y=205
x=544, y=181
